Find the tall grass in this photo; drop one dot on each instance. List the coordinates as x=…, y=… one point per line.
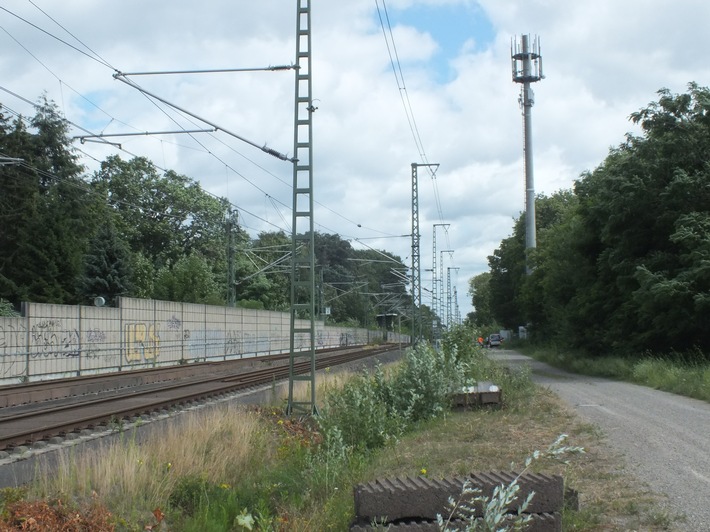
x=685, y=374
x=692, y=380
x=218, y=444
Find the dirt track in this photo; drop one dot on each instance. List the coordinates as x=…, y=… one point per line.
x=665, y=438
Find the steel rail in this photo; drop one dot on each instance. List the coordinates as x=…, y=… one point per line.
x=28, y=427
x=32, y=392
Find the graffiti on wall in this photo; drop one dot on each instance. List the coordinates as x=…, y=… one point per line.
x=201, y=343
x=49, y=339
x=12, y=346
x=174, y=323
x=94, y=339
x=48, y=344
x=346, y=339
x=142, y=342
x=233, y=343
x=11, y=337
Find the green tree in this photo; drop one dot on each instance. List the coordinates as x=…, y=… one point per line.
x=19, y=206
x=162, y=217
x=190, y=280
x=480, y=292
x=6, y=309
x=507, y=266
x=143, y=276
x=48, y=213
x=107, y=267
x=642, y=206
x=165, y=218
x=536, y=293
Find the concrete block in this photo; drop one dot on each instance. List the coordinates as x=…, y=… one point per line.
x=489, y=393
x=539, y=523
x=483, y=394
x=404, y=498
x=423, y=498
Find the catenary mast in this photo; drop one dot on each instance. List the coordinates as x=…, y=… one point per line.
x=302, y=329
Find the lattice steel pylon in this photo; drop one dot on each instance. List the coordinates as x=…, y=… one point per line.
x=444, y=318
x=449, y=311
x=416, y=266
x=302, y=329
x=416, y=271
x=436, y=305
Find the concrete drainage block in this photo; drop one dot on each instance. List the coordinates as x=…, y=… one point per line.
x=483, y=394
x=413, y=503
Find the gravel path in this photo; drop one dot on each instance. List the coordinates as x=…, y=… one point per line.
x=665, y=438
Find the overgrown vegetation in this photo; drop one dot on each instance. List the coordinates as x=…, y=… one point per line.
x=681, y=373
x=496, y=508
x=232, y=468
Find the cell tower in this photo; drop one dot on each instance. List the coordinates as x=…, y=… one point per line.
x=527, y=69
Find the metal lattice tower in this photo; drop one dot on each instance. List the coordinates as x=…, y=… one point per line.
x=416, y=272
x=434, y=281
x=416, y=266
x=302, y=330
x=449, y=312
x=457, y=315
x=527, y=69
x=441, y=285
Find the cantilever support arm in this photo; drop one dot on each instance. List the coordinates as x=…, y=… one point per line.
x=122, y=77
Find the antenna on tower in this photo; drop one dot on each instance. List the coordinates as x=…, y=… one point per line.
x=527, y=68
x=527, y=63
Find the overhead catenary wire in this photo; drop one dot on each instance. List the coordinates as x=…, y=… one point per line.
x=90, y=56
x=404, y=95
x=106, y=63
x=87, y=51
x=121, y=77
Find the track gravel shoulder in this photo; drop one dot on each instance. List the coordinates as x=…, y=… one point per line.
x=664, y=438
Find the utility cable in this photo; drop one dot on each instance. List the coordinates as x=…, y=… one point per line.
x=404, y=95
x=100, y=61
x=96, y=55
x=97, y=58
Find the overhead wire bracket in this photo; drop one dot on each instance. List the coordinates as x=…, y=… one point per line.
x=122, y=77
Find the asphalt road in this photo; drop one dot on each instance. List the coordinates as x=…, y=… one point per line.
x=665, y=438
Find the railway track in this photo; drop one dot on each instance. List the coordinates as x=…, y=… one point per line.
x=37, y=412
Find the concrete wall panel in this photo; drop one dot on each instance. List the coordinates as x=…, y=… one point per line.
x=55, y=341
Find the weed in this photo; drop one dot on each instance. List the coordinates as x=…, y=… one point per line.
x=117, y=424
x=189, y=494
x=8, y=497
x=495, y=510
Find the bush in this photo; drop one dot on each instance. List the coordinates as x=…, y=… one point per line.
x=420, y=390
x=356, y=415
x=7, y=310
x=189, y=494
x=373, y=410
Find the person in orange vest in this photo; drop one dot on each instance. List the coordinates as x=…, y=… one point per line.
x=480, y=341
